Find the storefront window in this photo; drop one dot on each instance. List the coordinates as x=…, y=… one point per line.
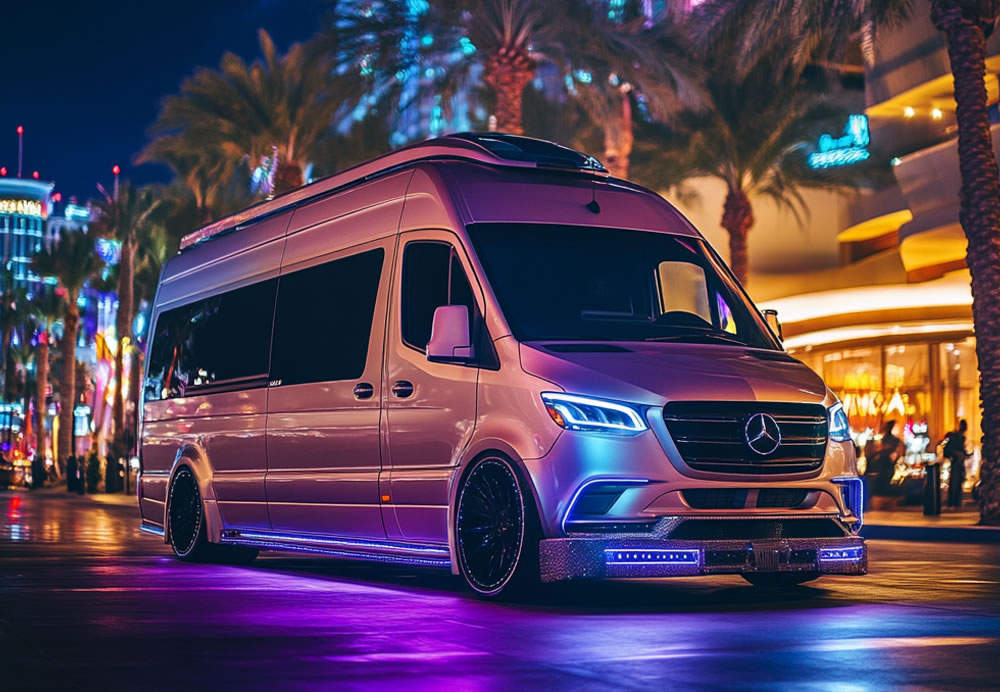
x=959, y=382
x=856, y=376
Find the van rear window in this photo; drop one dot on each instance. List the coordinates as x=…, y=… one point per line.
x=219, y=341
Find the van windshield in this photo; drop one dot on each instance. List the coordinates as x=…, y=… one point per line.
x=578, y=283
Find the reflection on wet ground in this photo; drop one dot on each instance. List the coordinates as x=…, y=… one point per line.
x=88, y=601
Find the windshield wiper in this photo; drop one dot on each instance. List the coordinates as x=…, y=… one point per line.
x=691, y=337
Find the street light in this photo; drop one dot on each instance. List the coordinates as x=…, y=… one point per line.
x=20, y=148
x=116, y=169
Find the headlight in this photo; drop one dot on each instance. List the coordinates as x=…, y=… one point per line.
x=840, y=427
x=595, y=415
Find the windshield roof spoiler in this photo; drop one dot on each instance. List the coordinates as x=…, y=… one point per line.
x=491, y=148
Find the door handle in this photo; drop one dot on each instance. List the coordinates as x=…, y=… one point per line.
x=402, y=389
x=363, y=390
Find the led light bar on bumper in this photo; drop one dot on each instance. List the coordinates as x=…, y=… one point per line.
x=574, y=412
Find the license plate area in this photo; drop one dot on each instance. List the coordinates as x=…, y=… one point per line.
x=767, y=557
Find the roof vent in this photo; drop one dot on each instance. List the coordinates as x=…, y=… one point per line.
x=537, y=151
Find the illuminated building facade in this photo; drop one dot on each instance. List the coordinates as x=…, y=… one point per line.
x=24, y=207
x=889, y=323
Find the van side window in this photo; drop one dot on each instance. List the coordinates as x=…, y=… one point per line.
x=432, y=276
x=323, y=323
x=217, y=340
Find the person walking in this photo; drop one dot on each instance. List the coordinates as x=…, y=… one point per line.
x=954, y=450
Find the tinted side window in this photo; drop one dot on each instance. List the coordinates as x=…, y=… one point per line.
x=323, y=322
x=432, y=277
x=217, y=340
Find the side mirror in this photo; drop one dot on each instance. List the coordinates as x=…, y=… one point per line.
x=450, y=340
x=771, y=317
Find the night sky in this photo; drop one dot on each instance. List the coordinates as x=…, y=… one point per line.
x=85, y=79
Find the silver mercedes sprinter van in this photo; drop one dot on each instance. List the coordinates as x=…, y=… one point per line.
x=482, y=353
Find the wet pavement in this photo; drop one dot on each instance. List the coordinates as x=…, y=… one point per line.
x=89, y=602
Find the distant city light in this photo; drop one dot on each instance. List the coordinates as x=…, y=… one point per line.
x=35, y=175
x=895, y=161
x=937, y=114
x=3, y=171
x=909, y=112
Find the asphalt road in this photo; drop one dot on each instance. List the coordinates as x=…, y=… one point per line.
x=88, y=602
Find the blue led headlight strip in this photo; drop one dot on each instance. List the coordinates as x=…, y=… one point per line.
x=572, y=409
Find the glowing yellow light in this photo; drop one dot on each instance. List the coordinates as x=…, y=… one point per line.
x=26, y=207
x=909, y=112
x=937, y=114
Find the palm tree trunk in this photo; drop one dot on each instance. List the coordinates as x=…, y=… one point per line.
x=980, y=218
x=4, y=366
x=737, y=219
x=507, y=73
x=41, y=384
x=123, y=327
x=618, y=139
x=71, y=323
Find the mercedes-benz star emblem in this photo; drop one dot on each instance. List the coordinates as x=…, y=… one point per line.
x=762, y=433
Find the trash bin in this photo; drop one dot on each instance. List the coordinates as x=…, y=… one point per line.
x=932, y=489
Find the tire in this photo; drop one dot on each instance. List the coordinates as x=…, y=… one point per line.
x=777, y=580
x=188, y=535
x=497, y=531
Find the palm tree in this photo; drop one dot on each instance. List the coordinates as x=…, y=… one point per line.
x=752, y=136
x=49, y=307
x=72, y=261
x=23, y=354
x=967, y=25
x=813, y=28
x=274, y=110
x=123, y=218
x=391, y=46
x=13, y=301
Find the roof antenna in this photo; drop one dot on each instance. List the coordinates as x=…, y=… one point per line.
x=592, y=205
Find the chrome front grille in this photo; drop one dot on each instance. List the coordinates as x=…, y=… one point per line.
x=711, y=436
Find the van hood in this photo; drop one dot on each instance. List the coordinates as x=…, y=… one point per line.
x=654, y=373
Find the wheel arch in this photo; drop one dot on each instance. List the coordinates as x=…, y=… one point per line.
x=193, y=457
x=481, y=450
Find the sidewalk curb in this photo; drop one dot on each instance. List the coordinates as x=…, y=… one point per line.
x=948, y=534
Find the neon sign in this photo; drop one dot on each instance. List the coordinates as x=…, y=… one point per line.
x=26, y=207
x=849, y=148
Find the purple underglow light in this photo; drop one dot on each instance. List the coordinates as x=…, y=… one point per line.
x=347, y=543
x=356, y=555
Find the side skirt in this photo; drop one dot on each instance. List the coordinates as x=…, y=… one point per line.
x=392, y=552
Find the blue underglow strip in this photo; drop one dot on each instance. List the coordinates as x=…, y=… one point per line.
x=849, y=554
x=354, y=555
x=857, y=486
x=647, y=556
x=609, y=481
x=345, y=543
x=155, y=530
x=555, y=398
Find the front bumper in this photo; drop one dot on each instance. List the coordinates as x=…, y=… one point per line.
x=615, y=557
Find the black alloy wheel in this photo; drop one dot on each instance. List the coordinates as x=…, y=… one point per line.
x=777, y=580
x=186, y=516
x=496, y=534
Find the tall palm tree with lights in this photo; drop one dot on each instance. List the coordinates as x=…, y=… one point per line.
x=818, y=28
x=72, y=261
x=49, y=307
x=123, y=217
x=270, y=113
x=438, y=43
